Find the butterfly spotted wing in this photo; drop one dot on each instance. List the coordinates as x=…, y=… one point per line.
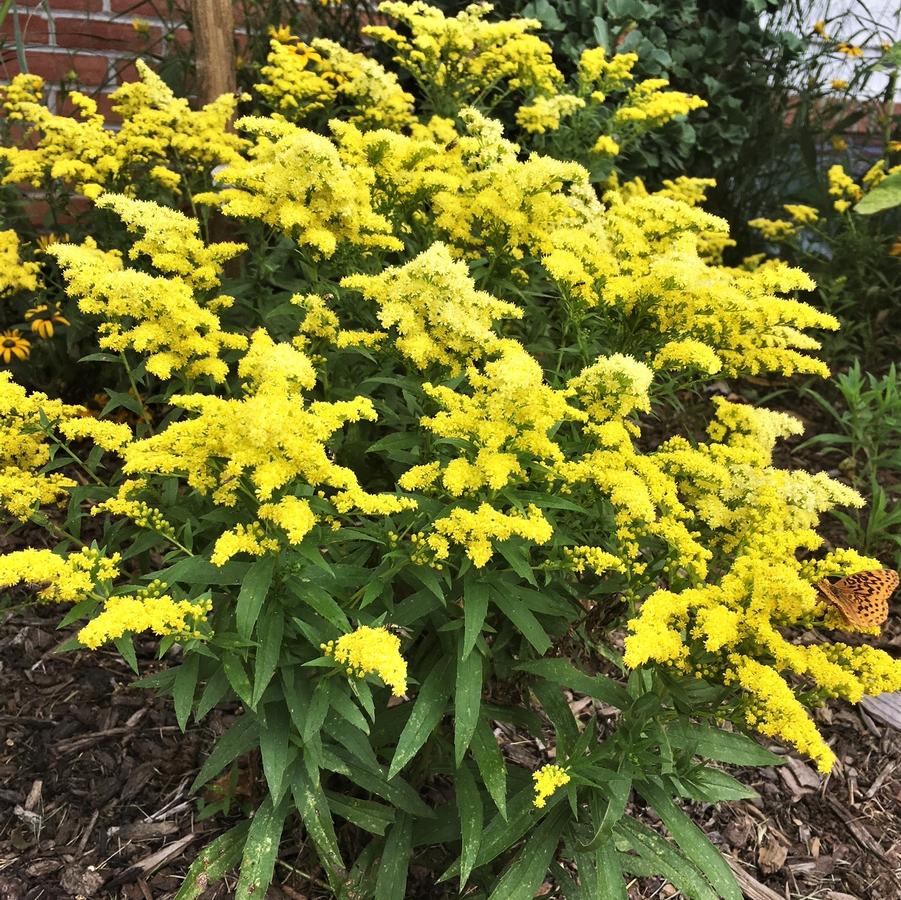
x=862, y=598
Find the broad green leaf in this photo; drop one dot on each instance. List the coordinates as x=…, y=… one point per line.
x=126, y=646
x=397, y=792
x=269, y=645
x=522, y=880
x=348, y=710
x=662, y=858
x=523, y=619
x=183, y=689
x=318, y=709
x=491, y=764
x=708, y=785
x=275, y=748
x=610, y=874
x=469, y=807
x=723, y=746
x=885, y=195
x=213, y=862
x=314, y=810
x=237, y=677
x=322, y=602
x=261, y=850
x=254, y=589
x=564, y=673
x=557, y=710
x=428, y=710
x=606, y=816
x=214, y=692
x=391, y=881
x=692, y=841
x=475, y=607
x=467, y=701
x=517, y=555
x=297, y=692
x=366, y=814
x=242, y=737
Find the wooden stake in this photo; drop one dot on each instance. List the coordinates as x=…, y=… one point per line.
x=214, y=45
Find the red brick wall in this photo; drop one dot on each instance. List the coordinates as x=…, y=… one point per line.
x=88, y=45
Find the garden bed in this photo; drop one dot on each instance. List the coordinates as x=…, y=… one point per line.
x=94, y=778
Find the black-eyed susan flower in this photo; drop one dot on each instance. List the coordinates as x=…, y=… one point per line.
x=43, y=318
x=13, y=346
x=547, y=779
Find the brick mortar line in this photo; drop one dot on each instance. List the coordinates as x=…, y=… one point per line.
x=101, y=16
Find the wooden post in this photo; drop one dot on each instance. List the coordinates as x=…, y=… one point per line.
x=214, y=46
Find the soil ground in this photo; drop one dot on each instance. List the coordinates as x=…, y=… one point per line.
x=94, y=801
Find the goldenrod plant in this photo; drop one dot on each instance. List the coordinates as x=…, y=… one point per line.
x=388, y=464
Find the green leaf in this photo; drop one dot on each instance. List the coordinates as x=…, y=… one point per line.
x=523, y=619
x=517, y=555
x=318, y=709
x=428, y=710
x=522, y=880
x=397, y=791
x=475, y=607
x=610, y=874
x=261, y=850
x=662, y=858
x=391, y=881
x=469, y=807
x=617, y=791
x=213, y=693
x=213, y=862
x=564, y=673
x=723, y=746
x=322, y=602
x=126, y=646
x=269, y=645
x=254, y=589
x=237, y=677
x=708, y=785
x=366, y=814
x=275, y=748
x=557, y=710
x=491, y=764
x=885, y=195
x=692, y=841
x=242, y=737
x=183, y=689
x=467, y=701
x=313, y=807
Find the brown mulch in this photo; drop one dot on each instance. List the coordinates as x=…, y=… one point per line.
x=94, y=801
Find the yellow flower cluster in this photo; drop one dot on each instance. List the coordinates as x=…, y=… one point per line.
x=25, y=450
x=466, y=57
x=843, y=187
x=296, y=182
x=58, y=579
x=151, y=314
x=262, y=442
x=755, y=520
x=15, y=273
x=303, y=79
x=148, y=611
x=547, y=779
x=371, y=651
x=159, y=133
x=432, y=304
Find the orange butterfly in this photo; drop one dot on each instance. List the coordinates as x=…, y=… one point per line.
x=862, y=599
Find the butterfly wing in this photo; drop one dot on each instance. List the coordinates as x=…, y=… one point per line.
x=863, y=598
